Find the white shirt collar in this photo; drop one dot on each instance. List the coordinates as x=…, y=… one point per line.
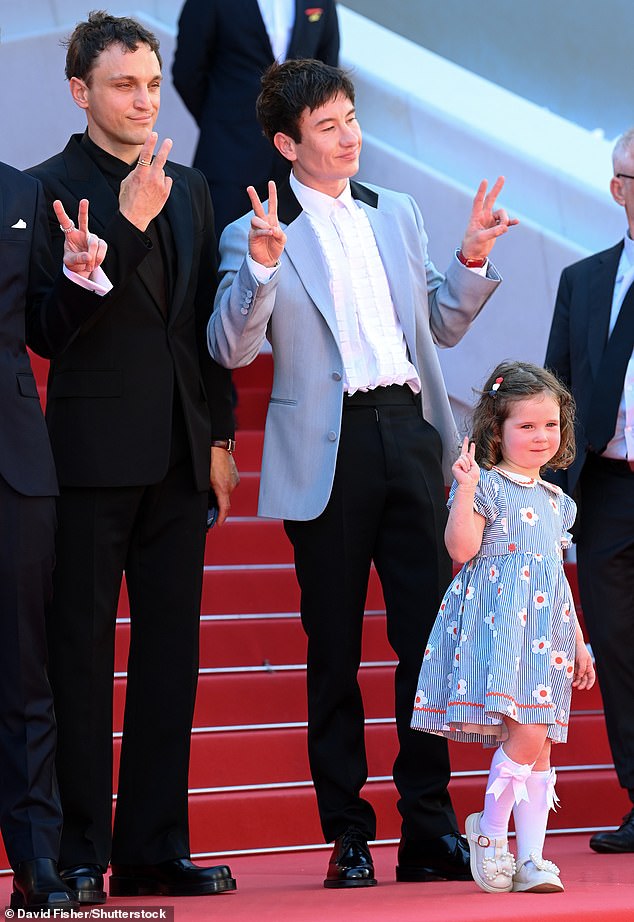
x=317, y=204
x=526, y=481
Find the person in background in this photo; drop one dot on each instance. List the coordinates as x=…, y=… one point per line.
x=43, y=311
x=591, y=347
x=222, y=50
x=337, y=275
x=141, y=424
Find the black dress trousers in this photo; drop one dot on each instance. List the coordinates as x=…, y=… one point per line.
x=387, y=506
x=30, y=813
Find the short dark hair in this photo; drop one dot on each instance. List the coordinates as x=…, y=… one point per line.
x=290, y=88
x=520, y=381
x=97, y=33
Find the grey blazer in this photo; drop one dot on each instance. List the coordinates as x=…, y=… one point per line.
x=295, y=311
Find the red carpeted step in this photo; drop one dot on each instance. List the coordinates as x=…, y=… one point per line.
x=275, y=755
x=248, y=540
x=254, y=641
x=248, y=453
x=258, y=374
x=250, y=411
x=270, y=695
x=244, y=499
x=267, y=697
x=39, y=366
x=272, y=818
x=252, y=589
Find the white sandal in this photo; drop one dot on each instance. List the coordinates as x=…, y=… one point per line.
x=537, y=875
x=492, y=865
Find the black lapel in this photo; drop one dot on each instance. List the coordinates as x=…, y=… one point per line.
x=299, y=24
x=255, y=13
x=180, y=215
x=288, y=208
x=87, y=181
x=363, y=194
x=599, y=303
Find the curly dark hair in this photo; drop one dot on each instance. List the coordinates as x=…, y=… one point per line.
x=290, y=88
x=520, y=380
x=100, y=31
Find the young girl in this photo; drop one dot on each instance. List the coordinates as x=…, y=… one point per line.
x=506, y=647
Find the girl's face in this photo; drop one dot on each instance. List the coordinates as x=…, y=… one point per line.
x=530, y=434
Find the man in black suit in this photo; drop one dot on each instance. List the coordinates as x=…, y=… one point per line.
x=140, y=422
x=590, y=347
x=224, y=47
x=42, y=311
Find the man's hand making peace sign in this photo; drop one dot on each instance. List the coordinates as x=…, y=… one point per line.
x=266, y=237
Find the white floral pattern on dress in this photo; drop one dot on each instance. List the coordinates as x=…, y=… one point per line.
x=511, y=608
x=541, y=645
x=543, y=693
x=529, y=515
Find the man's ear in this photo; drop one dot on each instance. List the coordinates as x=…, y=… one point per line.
x=616, y=188
x=285, y=145
x=79, y=92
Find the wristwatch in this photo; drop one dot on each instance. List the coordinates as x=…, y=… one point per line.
x=228, y=444
x=471, y=263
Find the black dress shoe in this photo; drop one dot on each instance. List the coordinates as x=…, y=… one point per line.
x=38, y=887
x=443, y=858
x=87, y=882
x=178, y=877
x=620, y=840
x=350, y=863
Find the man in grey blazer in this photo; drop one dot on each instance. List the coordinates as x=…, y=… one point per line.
x=359, y=428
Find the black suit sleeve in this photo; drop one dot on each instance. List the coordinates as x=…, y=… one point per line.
x=53, y=324
x=216, y=379
x=56, y=306
x=194, y=53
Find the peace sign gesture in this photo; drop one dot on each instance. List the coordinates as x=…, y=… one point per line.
x=266, y=237
x=466, y=471
x=486, y=223
x=145, y=190
x=83, y=251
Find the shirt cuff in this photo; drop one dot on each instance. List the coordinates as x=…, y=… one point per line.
x=260, y=273
x=98, y=281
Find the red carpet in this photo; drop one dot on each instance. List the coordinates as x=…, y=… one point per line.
x=250, y=784
x=279, y=887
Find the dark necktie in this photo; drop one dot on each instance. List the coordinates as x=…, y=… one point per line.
x=608, y=389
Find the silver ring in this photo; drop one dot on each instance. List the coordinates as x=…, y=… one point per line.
x=67, y=230
x=144, y=162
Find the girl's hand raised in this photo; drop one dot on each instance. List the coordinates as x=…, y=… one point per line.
x=465, y=470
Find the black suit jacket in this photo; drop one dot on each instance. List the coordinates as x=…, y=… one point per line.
x=223, y=48
x=38, y=308
x=578, y=336
x=111, y=391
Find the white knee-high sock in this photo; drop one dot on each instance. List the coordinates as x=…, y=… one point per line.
x=506, y=784
x=531, y=819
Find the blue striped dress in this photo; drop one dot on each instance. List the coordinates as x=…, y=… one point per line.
x=503, y=643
